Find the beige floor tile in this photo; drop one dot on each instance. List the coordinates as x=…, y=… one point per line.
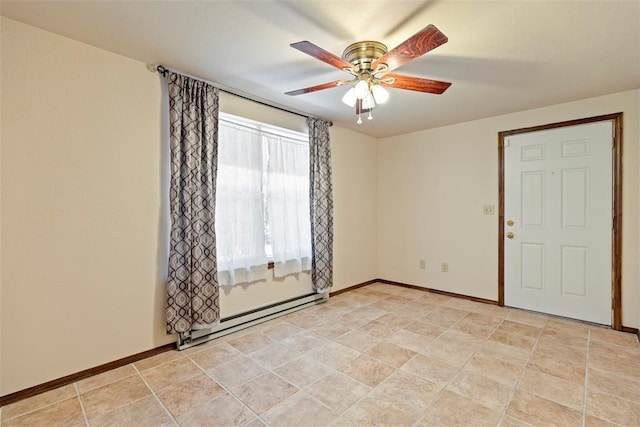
x=626, y=387
x=597, y=422
x=256, y=423
x=281, y=330
x=274, y=355
x=37, y=402
x=490, y=393
x=105, y=378
x=333, y=354
x=386, y=306
x=353, y=320
x=507, y=353
x=452, y=409
x=550, y=387
x=330, y=331
x=527, y=317
x=568, y=354
x=368, y=312
x=305, y=321
x=303, y=342
x=623, y=339
x=492, y=310
x=65, y=413
x=380, y=412
x=444, y=316
x=614, y=365
x=425, y=329
x=552, y=337
x=473, y=328
x=236, y=372
x=378, y=330
x=251, y=342
x=399, y=299
x=222, y=411
x=536, y=410
x=159, y=359
x=146, y=411
x=337, y=391
x=508, y=421
x=303, y=371
x=109, y=397
x=496, y=369
x=367, y=370
x=413, y=311
x=569, y=327
x=169, y=373
x=357, y=340
x=622, y=353
x=264, y=392
x=453, y=347
x=519, y=328
x=391, y=354
x=612, y=408
x=394, y=321
x=430, y=368
x=299, y=410
x=409, y=389
x=215, y=355
x=409, y=340
x=557, y=367
x=515, y=340
x=180, y=397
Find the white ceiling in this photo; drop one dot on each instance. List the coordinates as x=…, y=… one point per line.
x=502, y=56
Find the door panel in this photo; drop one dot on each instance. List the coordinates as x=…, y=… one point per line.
x=558, y=193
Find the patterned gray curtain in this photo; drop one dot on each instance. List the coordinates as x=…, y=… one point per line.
x=192, y=288
x=321, y=205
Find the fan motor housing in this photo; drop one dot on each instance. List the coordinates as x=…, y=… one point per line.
x=363, y=54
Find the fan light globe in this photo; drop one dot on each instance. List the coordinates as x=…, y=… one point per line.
x=368, y=102
x=350, y=98
x=361, y=89
x=380, y=94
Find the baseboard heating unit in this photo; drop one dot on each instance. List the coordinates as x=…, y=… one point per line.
x=249, y=318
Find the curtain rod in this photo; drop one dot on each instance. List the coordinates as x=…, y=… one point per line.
x=161, y=69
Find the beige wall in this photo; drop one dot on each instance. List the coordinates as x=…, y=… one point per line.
x=84, y=221
x=433, y=184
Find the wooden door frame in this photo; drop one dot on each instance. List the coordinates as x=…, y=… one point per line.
x=616, y=208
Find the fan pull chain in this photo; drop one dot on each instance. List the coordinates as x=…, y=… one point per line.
x=359, y=118
x=370, y=115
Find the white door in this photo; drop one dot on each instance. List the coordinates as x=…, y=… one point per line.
x=558, y=207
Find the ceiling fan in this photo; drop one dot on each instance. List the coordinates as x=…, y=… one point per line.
x=370, y=63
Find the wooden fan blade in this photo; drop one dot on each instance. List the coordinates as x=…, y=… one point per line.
x=321, y=54
x=315, y=88
x=415, y=46
x=417, y=84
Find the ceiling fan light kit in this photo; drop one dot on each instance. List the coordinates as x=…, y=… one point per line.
x=370, y=63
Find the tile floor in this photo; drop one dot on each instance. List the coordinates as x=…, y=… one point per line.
x=379, y=355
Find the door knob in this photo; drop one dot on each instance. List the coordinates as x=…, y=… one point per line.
x=510, y=235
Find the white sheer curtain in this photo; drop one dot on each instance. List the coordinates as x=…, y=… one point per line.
x=288, y=204
x=240, y=207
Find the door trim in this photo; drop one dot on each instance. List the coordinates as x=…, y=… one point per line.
x=616, y=208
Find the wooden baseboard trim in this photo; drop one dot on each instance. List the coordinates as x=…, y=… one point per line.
x=351, y=288
x=437, y=291
x=629, y=329
x=69, y=379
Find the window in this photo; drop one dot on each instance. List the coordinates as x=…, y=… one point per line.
x=262, y=200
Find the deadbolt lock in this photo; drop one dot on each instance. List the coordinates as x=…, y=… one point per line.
x=510, y=222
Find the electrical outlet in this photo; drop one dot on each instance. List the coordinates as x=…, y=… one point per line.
x=489, y=210
x=444, y=267
x=423, y=264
